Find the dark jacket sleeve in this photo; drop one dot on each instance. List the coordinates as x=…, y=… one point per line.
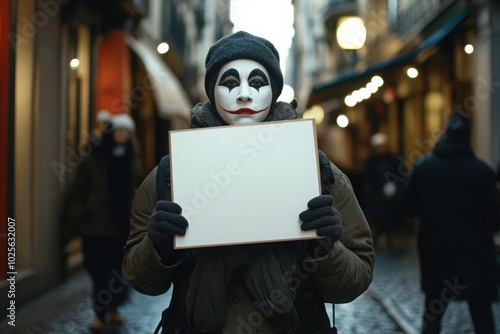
x=347, y=271
x=491, y=203
x=141, y=264
x=76, y=200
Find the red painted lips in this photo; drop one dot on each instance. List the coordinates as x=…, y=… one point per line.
x=244, y=111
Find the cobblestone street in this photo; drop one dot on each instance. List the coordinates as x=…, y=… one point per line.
x=392, y=304
x=396, y=287
x=67, y=310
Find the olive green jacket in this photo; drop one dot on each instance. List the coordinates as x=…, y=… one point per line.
x=339, y=277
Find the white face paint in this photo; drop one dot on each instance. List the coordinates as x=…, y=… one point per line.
x=243, y=92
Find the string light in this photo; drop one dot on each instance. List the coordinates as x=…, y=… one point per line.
x=342, y=121
x=412, y=72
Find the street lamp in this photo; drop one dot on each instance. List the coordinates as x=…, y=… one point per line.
x=351, y=33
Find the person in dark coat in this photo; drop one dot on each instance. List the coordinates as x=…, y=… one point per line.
x=454, y=195
x=99, y=203
x=380, y=175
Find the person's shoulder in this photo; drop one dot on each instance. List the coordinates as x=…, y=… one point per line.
x=150, y=179
x=484, y=167
x=336, y=169
x=424, y=160
x=147, y=193
x=340, y=178
x=325, y=159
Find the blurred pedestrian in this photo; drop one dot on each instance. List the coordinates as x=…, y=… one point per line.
x=380, y=186
x=99, y=204
x=103, y=122
x=250, y=288
x=454, y=195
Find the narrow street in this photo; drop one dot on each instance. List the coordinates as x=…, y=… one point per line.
x=67, y=310
x=392, y=304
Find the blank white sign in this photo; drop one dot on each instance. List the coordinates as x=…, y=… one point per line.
x=244, y=183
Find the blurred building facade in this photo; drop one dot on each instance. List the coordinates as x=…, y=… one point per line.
x=433, y=37
x=61, y=63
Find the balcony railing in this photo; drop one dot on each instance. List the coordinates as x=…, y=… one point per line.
x=416, y=14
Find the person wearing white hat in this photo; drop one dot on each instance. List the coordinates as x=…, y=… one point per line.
x=123, y=121
x=102, y=123
x=99, y=204
x=103, y=119
x=123, y=128
x=381, y=176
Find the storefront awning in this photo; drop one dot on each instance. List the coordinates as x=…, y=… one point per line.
x=327, y=90
x=170, y=97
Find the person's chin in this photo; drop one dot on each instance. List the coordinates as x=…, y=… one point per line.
x=245, y=119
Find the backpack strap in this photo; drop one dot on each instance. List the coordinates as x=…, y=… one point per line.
x=327, y=177
x=163, y=179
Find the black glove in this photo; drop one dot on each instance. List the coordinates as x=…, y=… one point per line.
x=325, y=219
x=164, y=223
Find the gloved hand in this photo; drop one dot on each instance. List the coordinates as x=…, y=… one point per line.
x=325, y=219
x=164, y=223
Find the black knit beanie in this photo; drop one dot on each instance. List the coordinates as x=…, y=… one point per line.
x=242, y=45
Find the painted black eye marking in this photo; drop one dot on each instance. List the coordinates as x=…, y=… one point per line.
x=258, y=79
x=230, y=79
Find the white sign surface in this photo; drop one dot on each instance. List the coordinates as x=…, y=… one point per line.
x=245, y=183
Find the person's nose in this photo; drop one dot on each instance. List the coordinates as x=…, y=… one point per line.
x=244, y=95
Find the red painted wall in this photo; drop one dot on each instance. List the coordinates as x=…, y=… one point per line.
x=113, y=74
